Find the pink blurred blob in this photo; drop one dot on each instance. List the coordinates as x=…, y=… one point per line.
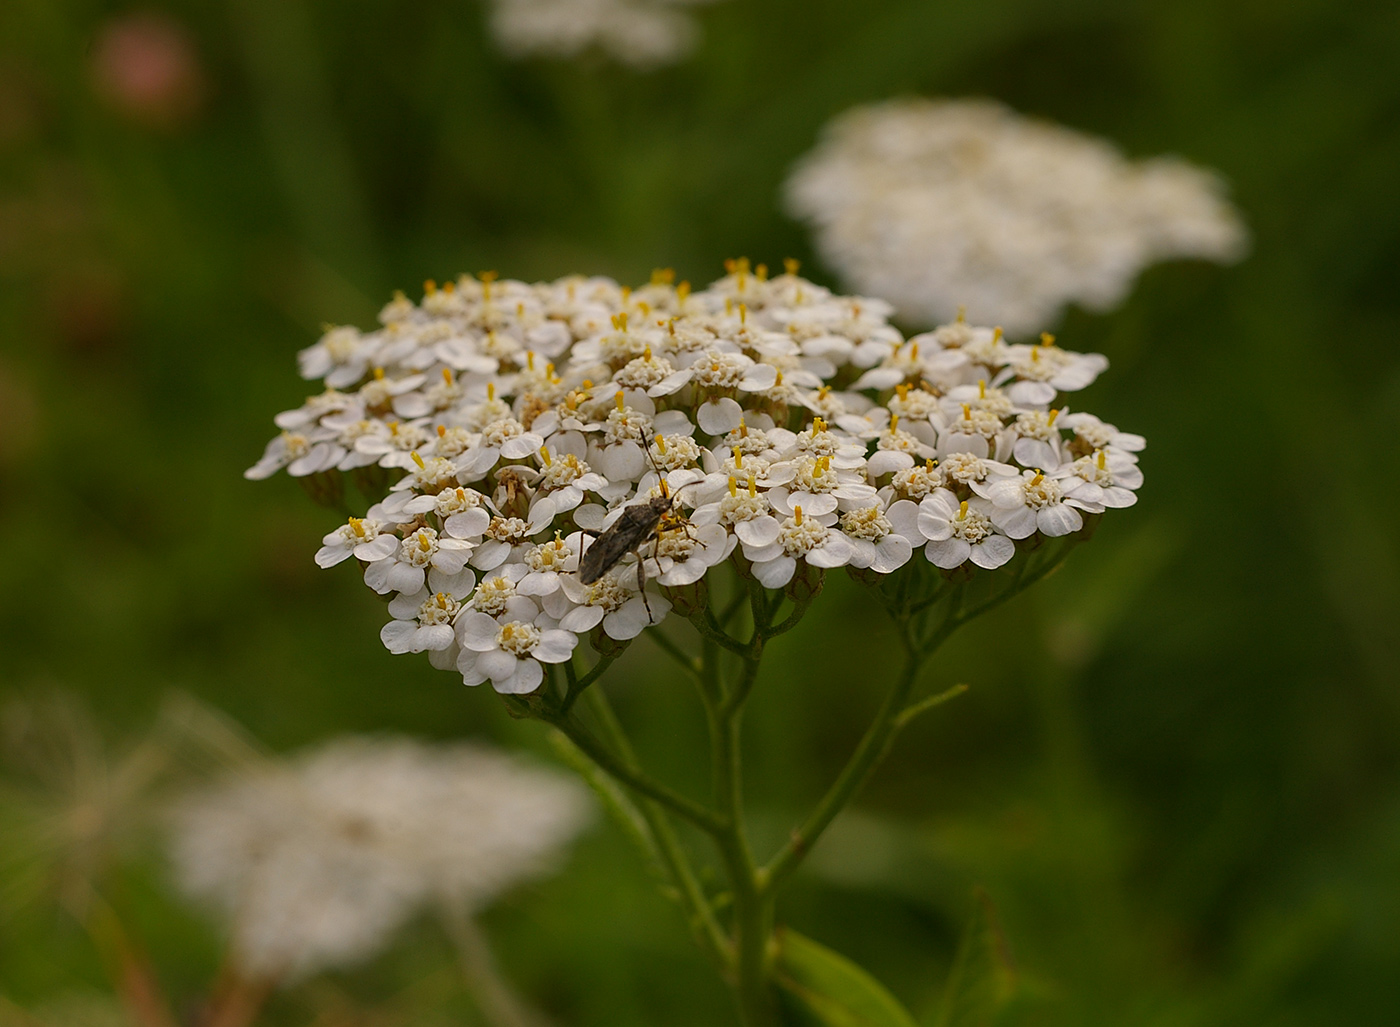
x=145, y=66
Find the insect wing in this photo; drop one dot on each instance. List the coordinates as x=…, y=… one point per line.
x=632, y=528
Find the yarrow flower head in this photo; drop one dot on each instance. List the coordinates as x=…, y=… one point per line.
x=504, y=429
x=315, y=861
x=640, y=33
x=939, y=205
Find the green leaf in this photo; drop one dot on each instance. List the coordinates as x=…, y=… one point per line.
x=982, y=982
x=832, y=988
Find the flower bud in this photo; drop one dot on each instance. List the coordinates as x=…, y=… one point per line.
x=604, y=644
x=687, y=600
x=806, y=583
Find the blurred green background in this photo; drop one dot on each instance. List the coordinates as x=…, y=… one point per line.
x=1176, y=771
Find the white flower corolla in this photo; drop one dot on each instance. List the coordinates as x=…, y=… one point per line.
x=875, y=541
x=682, y=556
x=639, y=33
x=424, y=622
x=938, y=205
x=341, y=358
x=800, y=538
x=1046, y=369
x=608, y=601
x=299, y=452
x=1093, y=434
x=315, y=862
x=543, y=412
x=364, y=538
x=1032, y=502
x=421, y=556
x=508, y=650
x=545, y=566
x=962, y=530
x=1105, y=478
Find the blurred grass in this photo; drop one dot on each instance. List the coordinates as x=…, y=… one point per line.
x=1176, y=771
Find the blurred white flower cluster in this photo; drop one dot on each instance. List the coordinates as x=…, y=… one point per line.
x=794, y=431
x=956, y=204
x=316, y=861
x=640, y=33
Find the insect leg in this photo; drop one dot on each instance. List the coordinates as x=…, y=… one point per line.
x=642, y=584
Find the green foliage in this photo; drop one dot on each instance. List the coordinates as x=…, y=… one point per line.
x=837, y=992
x=1178, y=768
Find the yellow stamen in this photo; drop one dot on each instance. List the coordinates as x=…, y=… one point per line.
x=619, y=321
x=728, y=307
x=996, y=334
x=424, y=543
x=491, y=392
x=626, y=293
x=644, y=307
x=618, y=399
x=682, y=292
x=761, y=272
x=357, y=525
x=544, y=455
x=530, y=360
x=914, y=351
x=663, y=276
x=967, y=411
x=379, y=374
x=442, y=431
x=753, y=486
x=429, y=287
x=902, y=390
x=646, y=354
x=1053, y=414
x=928, y=463
x=520, y=310
x=743, y=313
x=981, y=388
x=417, y=459
x=1035, y=354
x=743, y=428
x=739, y=459
x=1103, y=460
x=549, y=370
x=661, y=444
x=894, y=423
x=962, y=510
x=818, y=425
x=797, y=514
x=1039, y=477
x=962, y=314
x=791, y=265
x=1046, y=339
x=447, y=376
x=449, y=287
x=733, y=486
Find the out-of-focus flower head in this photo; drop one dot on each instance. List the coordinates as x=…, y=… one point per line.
x=145, y=65
x=640, y=33
x=963, y=204
x=788, y=431
x=314, y=862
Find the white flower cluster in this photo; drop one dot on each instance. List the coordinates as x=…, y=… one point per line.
x=966, y=204
x=640, y=33
x=316, y=861
x=792, y=428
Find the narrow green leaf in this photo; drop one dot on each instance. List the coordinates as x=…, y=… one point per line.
x=832, y=988
x=982, y=982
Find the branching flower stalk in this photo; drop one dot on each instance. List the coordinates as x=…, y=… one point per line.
x=724, y=449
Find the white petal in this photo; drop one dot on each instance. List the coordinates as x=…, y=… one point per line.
x=582, y=618
x=775, y=573
x=993, y=551
x=891, y=553
x=758, y=531
x=719, y=416
x=526, y=679
x=397, y=635
x=498, y=665
x=1058, y=519
x=948, y=553
x=555, y=646
x=476, y=631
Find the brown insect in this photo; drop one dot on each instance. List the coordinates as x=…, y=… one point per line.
x=635, y=526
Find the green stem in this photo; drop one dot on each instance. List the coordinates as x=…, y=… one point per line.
x=668, y=847
x=688, y=663
x=867, y=756
x=753, y=924
x=629, y=774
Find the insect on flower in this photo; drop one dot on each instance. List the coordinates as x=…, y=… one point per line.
x=637, y=524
